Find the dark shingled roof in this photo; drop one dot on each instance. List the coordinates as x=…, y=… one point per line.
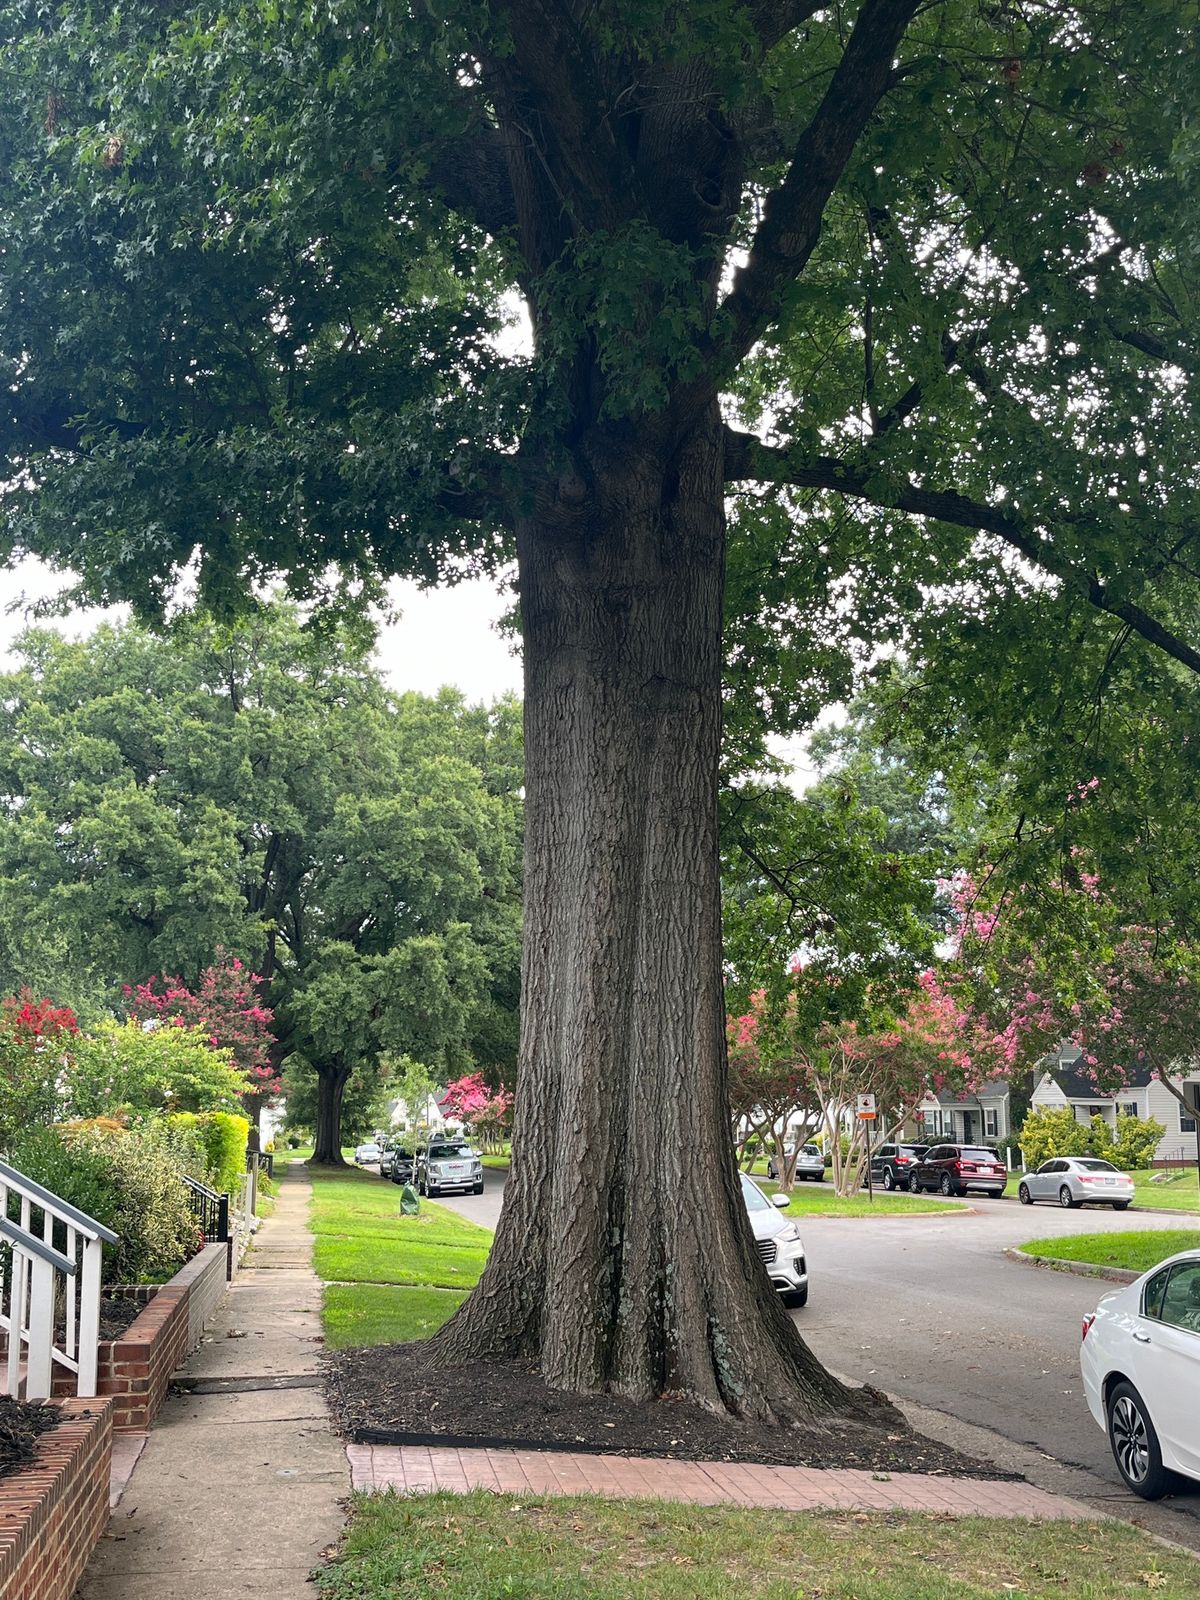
x=1063, y=1069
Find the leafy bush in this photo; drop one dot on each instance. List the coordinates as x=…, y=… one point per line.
x=34, y=1036
x=1053, y=1133
x=221, y=1139
x=1131, y=1145
x=125, y=1068
x=129, y=1179
x=1045, y=1134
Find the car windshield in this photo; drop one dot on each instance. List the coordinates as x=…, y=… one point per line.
x=1095, y=1166
x=911, y=1149
x=755, y=1199
x=447, y=1152
x=970, y=1154
x=810, y=1150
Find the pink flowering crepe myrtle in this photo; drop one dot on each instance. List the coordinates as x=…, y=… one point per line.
x=226, y=1005
x=1080, y=973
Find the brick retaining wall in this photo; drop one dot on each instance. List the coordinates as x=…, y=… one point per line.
x=136, y=1369
x=53, y=1512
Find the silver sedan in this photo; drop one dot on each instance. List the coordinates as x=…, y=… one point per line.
x=1077, y=1181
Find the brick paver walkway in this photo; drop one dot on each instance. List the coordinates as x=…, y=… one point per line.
x=415, y=1468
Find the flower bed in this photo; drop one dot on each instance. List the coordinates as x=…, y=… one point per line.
x=135, y=1369
x=53, y=1511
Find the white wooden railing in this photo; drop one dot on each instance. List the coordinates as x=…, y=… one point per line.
x=43, y=1286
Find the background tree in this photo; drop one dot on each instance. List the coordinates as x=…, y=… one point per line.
x=935, y=257
x=252, y=793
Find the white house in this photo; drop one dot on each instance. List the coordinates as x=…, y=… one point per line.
x=433, y=1118
x=1059, y=1083
x=973, y=1117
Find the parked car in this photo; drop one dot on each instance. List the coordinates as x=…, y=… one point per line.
x=386, y=1151
x=366, y=1155
x=1140, y=1359
x=810, y=1163
x=957, y=1168
x=778, y=1241
x=403, y=1166
x=449, y=1164
x=1077, y=1181
x=892, y=1165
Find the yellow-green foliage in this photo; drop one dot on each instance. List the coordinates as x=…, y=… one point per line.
x=221, y=1136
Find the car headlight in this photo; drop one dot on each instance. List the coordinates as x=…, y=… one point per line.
x=788, y=1234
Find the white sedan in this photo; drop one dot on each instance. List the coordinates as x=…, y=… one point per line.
x=1140, y=1359
x=1077, y=1181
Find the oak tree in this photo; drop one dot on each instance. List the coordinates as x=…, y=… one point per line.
x=883, y=312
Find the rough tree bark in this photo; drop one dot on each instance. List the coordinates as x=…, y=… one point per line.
x=331, y=1086
x=624, y=1259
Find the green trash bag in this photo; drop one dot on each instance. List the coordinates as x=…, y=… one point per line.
x=410, y=1202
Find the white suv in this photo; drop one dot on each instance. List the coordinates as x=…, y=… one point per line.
x=778, y=1243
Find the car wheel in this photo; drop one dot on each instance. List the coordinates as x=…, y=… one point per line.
x=1135, y=1444
x=477, y=1189
x=1120, y=1205
x=946, y=1186
x=795, y=1298
x=889, y=1183
x=913, y=1186
x=1066, y=1199
x=1023, y=1195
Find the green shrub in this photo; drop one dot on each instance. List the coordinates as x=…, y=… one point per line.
x=1057, y=1133
x=129, y=1179
x=1131, y=1144
x=1053, y=1133
x=221, y=1138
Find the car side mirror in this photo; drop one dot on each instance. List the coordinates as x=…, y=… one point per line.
x=781, y=1200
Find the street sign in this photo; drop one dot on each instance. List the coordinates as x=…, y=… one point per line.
x=864, y=1107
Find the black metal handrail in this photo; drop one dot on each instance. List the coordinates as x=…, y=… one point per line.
x=211, y=1210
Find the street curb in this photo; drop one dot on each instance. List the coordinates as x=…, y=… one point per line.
x=1081, y=1269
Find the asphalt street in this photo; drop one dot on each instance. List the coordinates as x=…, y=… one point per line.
x=982, y=1351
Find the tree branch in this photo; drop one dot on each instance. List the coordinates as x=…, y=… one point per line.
x=747, y=458
x=775, y=19
x=792, y=214
x=471, y=174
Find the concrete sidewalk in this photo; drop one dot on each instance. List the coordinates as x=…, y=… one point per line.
x=236, y=1493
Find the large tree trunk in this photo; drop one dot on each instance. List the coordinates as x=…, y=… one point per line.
x=331, y=1086
x=623, y=1259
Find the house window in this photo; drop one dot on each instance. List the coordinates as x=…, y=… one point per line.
x=991, y=1124
x=1129, y=1109
x=1186, y=1124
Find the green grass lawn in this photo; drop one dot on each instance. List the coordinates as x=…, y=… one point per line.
x=493, y=1547
x=1181, y=1191
x=819, y=1200
x=388, y=1278
x=1136, y=1252
x=368, y=1313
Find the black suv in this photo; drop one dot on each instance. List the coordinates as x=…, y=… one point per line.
x=892, y=1164
x=403, y=1165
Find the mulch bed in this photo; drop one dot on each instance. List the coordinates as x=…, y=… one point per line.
x=118, y=1315
x=393, y=1395
x=21, y=1422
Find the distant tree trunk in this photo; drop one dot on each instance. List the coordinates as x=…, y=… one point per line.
x=331, y=1086
x=624, y=1260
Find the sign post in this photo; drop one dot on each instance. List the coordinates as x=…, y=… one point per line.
x=864, y=1110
